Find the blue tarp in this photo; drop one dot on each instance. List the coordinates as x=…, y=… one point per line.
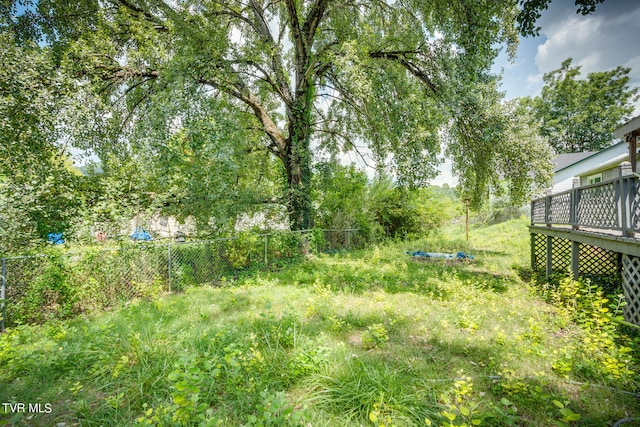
x=141, y=235
x=55, y=238
x=459, y=255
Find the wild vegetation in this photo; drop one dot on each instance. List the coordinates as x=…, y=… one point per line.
x=371, y=337
x=221, y=110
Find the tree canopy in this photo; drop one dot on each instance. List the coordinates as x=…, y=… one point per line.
x=580, y=114
x=228, y=101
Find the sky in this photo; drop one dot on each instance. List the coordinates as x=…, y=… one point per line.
x=598, y=42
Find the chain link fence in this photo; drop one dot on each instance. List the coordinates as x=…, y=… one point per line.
x=38, y=288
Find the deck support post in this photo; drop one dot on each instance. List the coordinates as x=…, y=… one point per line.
x=575, y=259
x=549, y=269
x=534, y=261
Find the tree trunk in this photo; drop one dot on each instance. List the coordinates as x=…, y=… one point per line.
x=298, y=162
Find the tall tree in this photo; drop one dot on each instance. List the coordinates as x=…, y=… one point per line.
x=296, y=76
x=580, y=114
x=498, y=148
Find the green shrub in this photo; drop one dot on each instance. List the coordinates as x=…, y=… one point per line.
x=48, y=296
x=375, y=336
x=605, y=351
x=243, y=250
x=408, y=213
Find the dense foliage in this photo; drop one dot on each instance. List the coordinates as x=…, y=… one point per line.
x=580, y=114
x=37, y=184
x=225, y=105
x=345, y=199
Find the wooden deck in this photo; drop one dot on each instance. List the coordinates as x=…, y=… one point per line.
x=592, y=230
x=606, y=208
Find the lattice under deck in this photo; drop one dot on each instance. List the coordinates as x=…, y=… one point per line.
x=597, y=261
x=561, y=255
x=631, y=287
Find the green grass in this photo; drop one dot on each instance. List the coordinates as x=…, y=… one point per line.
x=363, y=338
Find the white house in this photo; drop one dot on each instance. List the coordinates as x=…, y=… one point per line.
x=594, y=167
x=589, y=167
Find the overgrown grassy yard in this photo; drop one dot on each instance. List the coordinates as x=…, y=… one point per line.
x=353, y=339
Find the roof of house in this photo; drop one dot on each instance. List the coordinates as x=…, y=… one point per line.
x=562, y=161
x=604, y=154
x=630, y=126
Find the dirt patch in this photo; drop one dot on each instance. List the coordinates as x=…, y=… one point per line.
x=355, y=339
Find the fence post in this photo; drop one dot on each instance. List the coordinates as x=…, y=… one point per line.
x=169, y=264
x=573, y=203
x=3, y=293
x=349, y=240
x=547, y=208
x=549, y=267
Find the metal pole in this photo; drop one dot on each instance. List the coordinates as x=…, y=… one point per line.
x=3, y=293
x=466, y=204
x=169, y=264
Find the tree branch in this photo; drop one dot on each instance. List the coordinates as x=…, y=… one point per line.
x=148, y=16
x=240, y=92
x=402, y=57
x=277, y=64
x=313, y=20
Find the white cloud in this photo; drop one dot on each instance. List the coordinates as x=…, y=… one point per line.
x=597, y=42
x=534, y=81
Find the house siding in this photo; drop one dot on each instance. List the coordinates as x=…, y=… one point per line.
x=563, y=179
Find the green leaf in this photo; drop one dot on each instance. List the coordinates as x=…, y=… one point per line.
x=181, y=385
x=448, y=415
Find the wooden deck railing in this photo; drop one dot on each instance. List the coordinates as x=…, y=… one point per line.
x=611, y=206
